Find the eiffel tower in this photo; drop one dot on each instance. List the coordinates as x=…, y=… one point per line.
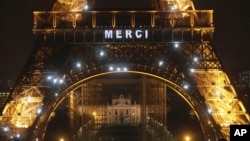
x=169, y=40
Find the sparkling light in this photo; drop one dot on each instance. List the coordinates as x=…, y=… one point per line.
x=218, y=93
x=61, y=81
x=78, y=65
x=209, y=111
x=49, y=77
x=39, y=111
x=176, y=45
x=111, y=68
x=191, y=70
x=86, y=7
x=186, y=86
x=55, y=80
x=160, y=63
x=101, y=53
x=6, y=129
x=195, y=59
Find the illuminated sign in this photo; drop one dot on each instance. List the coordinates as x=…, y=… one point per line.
x=125, y=34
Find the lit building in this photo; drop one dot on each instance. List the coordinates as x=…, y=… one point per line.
x=123, y=111
x=244, y=79
x=4, y=94
x=5, y=88
x=243, y=85
x=120, y=112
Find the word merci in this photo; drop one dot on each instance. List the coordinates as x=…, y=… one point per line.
x=239, y=132
x=125, y=34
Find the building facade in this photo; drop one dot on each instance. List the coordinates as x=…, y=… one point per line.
x=5, y=89
x=123, y=111
x=243, y=86
x=244, y=79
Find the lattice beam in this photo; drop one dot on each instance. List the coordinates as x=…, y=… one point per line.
x=221, y=98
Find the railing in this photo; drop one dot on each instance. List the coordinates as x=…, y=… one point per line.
x=113, y=19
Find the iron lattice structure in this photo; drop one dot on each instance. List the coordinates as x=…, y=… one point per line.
x=173, y=42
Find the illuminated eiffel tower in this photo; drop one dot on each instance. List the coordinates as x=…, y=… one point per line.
x=170, y=41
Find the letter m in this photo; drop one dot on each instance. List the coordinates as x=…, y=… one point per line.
x=108, y=34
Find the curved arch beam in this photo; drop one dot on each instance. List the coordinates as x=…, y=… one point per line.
x=42, y=122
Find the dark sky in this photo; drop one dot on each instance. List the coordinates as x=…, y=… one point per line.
x=16, y=39
x=232, y=32
x=231, y=37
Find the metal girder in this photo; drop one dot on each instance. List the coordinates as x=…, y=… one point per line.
x=175, y=5
x=201, y=56
x=79, y=5
x=220, y=98
x=69, y=5
x=23, y=109
x=63, y=20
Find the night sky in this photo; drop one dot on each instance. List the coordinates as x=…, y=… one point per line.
x=16, y=38
x=232, y=32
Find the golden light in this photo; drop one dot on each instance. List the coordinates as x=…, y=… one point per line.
x=61, y=139
x=187, y=138
x=94, y=114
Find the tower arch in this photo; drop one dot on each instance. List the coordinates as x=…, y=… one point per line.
x=207, y=124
